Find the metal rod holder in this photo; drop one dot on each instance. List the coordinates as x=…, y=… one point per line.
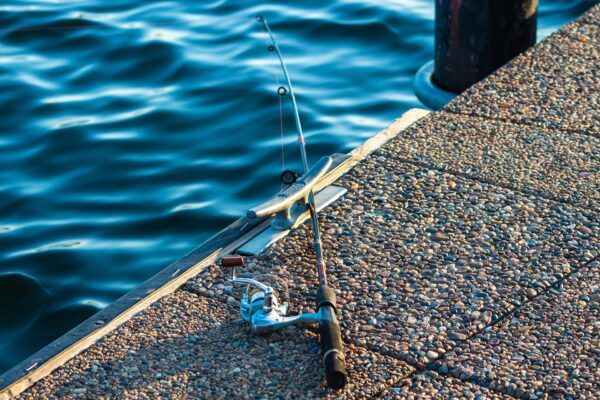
x=289, y=204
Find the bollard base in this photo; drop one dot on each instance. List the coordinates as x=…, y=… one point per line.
x=427, y=91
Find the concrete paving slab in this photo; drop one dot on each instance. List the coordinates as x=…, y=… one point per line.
x=592, y=16
x=555, y=84
x=576, y=41
x=548, y=349
x=421, y=260
x=188, y=346
x=433, y=386
x=553, y=164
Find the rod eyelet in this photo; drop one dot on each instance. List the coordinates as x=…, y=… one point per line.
x=289, y=177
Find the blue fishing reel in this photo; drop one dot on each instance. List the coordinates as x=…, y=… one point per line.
x=263, y=307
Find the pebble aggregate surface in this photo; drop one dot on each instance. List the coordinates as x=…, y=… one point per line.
x=592, y=16
x=550, y=346
x=471, y=252
x=189, y=346
x=555, y=84
x=556, y=165
x=464, y=257
x=430, y=385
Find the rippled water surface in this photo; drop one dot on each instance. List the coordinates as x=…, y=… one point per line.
x=131, y=131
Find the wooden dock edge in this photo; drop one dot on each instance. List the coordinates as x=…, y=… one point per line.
x=167, y=281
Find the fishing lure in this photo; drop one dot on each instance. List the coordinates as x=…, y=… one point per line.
x=261, y=305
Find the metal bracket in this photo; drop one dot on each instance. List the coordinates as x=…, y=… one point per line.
x=290, y=207
x=270, y=235
x=289, y=204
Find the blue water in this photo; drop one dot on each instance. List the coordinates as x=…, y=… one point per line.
x=131, y=132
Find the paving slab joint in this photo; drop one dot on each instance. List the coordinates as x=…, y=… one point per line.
x=494, y=183
x=519, y=122
x=534, y=124
x=426, y=368
x=437, y=366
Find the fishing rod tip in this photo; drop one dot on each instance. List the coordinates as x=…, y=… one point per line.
x=260, y=18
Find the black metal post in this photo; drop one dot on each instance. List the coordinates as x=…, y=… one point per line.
x=475, y=37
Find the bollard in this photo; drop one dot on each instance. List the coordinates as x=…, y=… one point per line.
x=475, y=37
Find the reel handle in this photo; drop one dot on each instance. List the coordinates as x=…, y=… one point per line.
x=332, y=346
x=232, y=261
x=249, y=281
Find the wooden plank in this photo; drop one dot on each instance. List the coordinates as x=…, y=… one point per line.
x=51, y=357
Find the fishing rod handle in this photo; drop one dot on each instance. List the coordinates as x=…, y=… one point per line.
x=331, y=339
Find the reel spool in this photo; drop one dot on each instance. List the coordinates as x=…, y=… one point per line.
x=253, y=297
x=264, y=304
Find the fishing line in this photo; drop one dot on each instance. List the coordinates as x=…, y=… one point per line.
x=280, y=93
x=321, y=266
x=282, y=138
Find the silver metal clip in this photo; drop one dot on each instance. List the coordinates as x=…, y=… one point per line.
x=289, y=204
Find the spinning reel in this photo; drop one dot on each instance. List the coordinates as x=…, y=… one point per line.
x=262, y=306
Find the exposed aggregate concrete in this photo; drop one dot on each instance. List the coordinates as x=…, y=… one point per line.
x=471, y=252
x=555, y=84
x=189, y=347
x=557, y=165
x=550, y=347
x=592, y=16
x=432, y=386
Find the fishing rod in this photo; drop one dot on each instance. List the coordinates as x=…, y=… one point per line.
x=331, y=341
x=262, y=307
x=321, y=267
